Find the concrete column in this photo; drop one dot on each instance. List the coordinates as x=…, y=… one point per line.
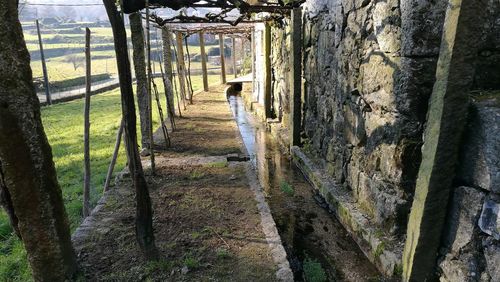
x=445, y=123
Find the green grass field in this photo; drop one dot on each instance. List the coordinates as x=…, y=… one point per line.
x=63, y=125
x=67, y=66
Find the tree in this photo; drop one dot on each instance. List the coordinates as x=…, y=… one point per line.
x=144, y=213
x=140, y=75
x=28, y=182
x=76, y=60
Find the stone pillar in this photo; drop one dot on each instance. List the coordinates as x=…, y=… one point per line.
x=233, y=56
x=267, y=71
x=445, y=123
x=252, y=51
x=296, y=77
x=222, y=59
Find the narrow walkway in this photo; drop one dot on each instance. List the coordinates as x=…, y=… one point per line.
x=78, y=92
x=208, y=225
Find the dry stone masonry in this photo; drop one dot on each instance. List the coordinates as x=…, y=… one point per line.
x=369, y=68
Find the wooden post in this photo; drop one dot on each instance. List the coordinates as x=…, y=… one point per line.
x=203, y=60
x=222, y=59
x=296, y=77
x=233, y=55
x=150, y=97
x=114, y=157
x=167, y=62
x=446, y=119
x=166, y=35
x=144, y=212
x=86, y=127
x=44, y=66
x=267, y=70
x=188, y=72
x=181, y=71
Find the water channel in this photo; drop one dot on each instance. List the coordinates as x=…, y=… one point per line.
x=310, y=233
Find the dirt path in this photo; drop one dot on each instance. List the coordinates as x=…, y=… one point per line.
x=206, y=220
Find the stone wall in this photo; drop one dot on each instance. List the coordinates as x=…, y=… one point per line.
x=471, y=247
x=368, y=71
x=471, y=242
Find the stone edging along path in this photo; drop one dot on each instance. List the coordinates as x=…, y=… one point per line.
x=228, y=200
x=278, y=252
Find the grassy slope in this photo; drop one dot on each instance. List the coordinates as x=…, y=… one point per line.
x=63, y=125
x=60, y=68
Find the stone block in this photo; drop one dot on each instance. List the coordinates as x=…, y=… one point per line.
x=377, y=75
x=461, y=269
x=489, y=222
x=480, y=158
x=354, y=127
x=387, y=23
x=462, y=220
x=422, y=25
x=492, y=257
x=413, y=86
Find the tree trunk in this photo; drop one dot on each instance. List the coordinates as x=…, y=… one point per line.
x=28, y=175
x=6, y=203
x=144, y=213
x=139, y=57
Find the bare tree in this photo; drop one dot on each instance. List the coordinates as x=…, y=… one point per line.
x=28, y=180
x=77, y=61
x=144, y=213
x=140, y=74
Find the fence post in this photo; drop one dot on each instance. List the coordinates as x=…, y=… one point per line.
x=86, y=127
x=44, y=66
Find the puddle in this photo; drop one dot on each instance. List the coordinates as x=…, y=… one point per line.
x=308, y=231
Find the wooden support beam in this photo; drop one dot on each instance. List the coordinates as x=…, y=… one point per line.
x=203, y=61
x=446, y=119
x=188, y=72
x=144, y=211
x=149, y=90
x=168, y=75
x=233, y=56
x=181, y=67
x=44, y=66
x=166, y=35
x=112, y=164
x=296, y=78
x=222, y=59
x=267, y=70
x=86, y=127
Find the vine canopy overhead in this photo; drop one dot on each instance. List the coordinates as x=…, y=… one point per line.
x=131, y=6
